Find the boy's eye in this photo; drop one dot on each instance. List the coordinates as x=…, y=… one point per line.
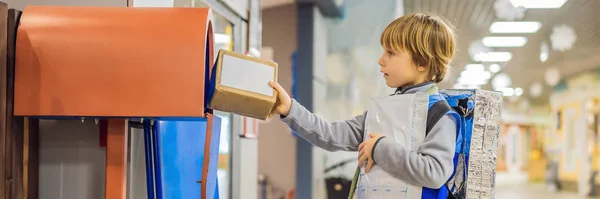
x=390, y=52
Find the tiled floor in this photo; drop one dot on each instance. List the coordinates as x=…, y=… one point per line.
x=514, y=186
x=530, y=191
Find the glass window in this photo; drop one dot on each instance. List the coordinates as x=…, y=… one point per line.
x=224, y=171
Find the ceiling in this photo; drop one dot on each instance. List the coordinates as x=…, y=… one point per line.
x=472, y=19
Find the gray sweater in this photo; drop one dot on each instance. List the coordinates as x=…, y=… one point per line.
x=430, y=166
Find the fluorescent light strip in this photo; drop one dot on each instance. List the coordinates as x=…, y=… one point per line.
x=474, y=74
x=466, y=86
x=474, y=67
x=504, y=41
x=518, y=91
x=543, y=57
x=493, y=57
x=507, y=91
x=471, y=81
x=483, y=76
x=515, y=27
x=538, y=4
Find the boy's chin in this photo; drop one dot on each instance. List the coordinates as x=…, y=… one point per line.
x=392, y=85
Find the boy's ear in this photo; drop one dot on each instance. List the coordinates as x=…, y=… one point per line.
x=421, y=68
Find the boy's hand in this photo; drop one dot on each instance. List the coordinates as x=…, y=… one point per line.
x=284, y=102
x=365, y=149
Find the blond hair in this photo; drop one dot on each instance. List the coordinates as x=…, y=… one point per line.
x=429, y=39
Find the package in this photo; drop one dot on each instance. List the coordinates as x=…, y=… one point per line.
x=241, y=85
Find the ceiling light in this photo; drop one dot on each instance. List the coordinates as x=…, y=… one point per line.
x=515, y=27
x=493, y=57
x=471, y=81
x=536, y=89
x=543, y=57
x=466, y=86
x=474, y=67
x=507, y=91
x=501, y=80
x=506, y=11
x=544, y=50
x=563, y=37
x=538, y=4
x=504, y=41
x=474, y=74
x=518, y=91
x=552, y=76
x=478, y=47
x=494, y=68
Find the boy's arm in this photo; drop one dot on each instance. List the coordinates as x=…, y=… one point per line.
x=431, y=166
x=342, y=135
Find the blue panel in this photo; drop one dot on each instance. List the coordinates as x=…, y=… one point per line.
x=217, y=190
x=213, y=165
x=466, y=122
x=180, y=157
x=156, y=163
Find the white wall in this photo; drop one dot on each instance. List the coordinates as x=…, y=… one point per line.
x=276, y=144
x=319, y=97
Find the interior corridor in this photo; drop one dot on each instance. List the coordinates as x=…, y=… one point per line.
x=515, y=186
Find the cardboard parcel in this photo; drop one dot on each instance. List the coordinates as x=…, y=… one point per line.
x=241, y=85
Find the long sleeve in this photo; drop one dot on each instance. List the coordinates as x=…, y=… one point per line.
x=430, y=166
x=331, y=136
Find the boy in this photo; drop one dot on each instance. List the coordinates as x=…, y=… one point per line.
x=418, y=49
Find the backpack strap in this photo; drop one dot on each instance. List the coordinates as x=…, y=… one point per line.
x=435, y=113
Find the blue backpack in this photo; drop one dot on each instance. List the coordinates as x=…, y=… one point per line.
x=441, y=104
x=459, y=104
x=479, y=115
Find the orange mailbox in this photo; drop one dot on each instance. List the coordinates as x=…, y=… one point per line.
x=118, y=63
x=112, y=61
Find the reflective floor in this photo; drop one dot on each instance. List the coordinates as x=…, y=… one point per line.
x=531, y=191
x=516, y=187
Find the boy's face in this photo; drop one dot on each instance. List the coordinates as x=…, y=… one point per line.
x=399, y=70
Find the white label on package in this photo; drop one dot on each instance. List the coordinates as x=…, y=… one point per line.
x=247, y=75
